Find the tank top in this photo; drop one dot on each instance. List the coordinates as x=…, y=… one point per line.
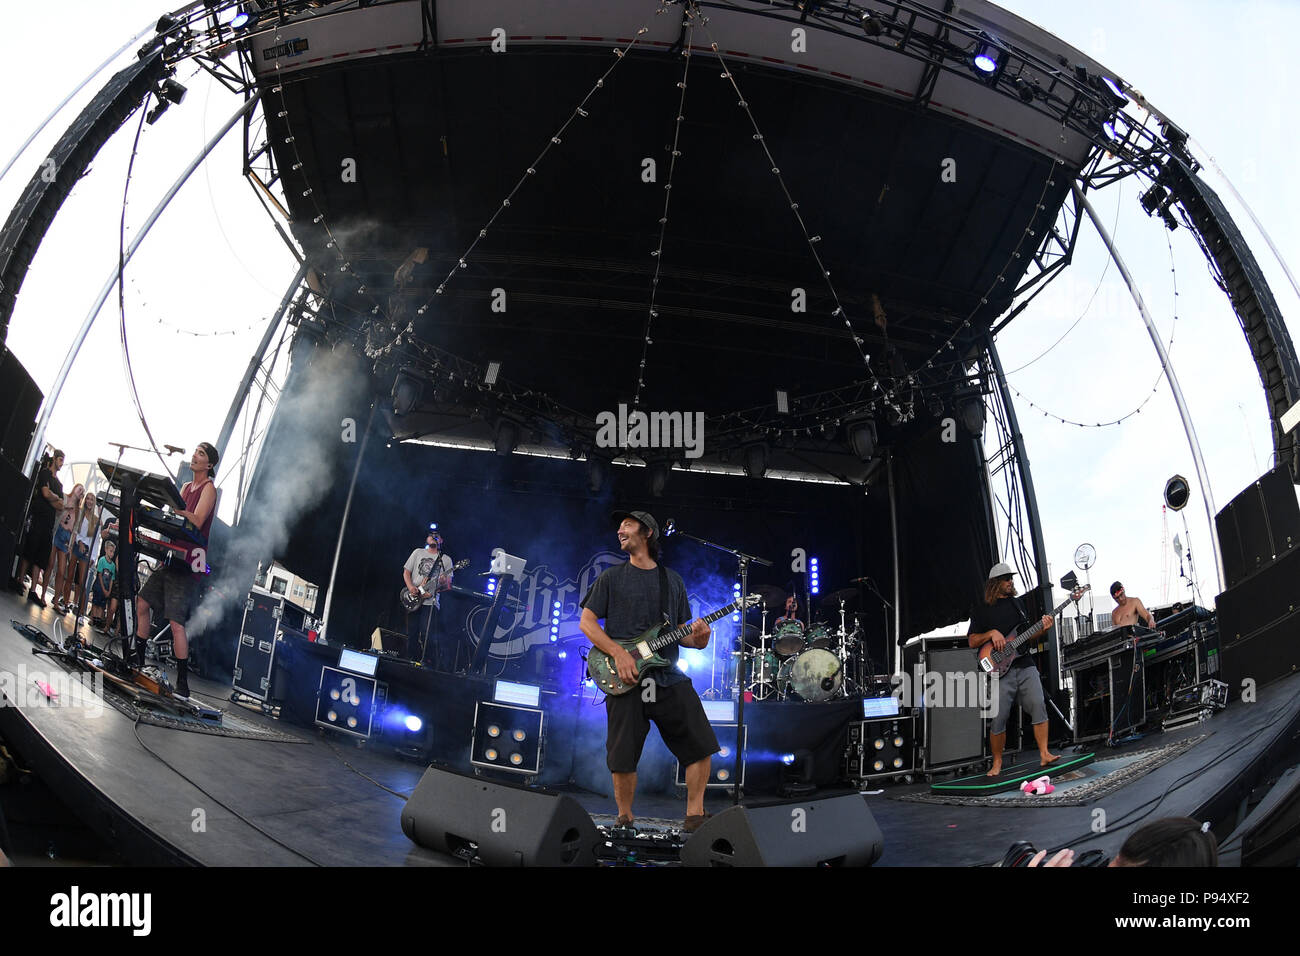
x=191, y=494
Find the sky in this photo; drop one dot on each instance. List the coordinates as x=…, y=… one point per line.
x=199, y=292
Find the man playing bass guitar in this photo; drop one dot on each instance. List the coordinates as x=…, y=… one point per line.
x=631, y=598
x=993, y=620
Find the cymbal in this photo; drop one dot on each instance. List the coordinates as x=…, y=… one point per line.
x=773, y=596
x=850, y=596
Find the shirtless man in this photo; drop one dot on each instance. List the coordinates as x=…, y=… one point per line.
x=1130, y=610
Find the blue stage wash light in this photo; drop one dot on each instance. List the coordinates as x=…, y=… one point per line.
x=986, y=61
x=1114, y=87
x=413, y=724
x=433, y=526
x=240, y=20
x=589, y=683
x=683, y=666
x=1108, y=128
x=564, y=655
x=554, y=638
x=556, y=605
x=787, y=759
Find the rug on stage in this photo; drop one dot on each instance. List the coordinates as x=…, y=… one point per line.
x=1077, y=787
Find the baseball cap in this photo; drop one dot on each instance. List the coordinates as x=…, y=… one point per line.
x=1001, y=569
x=1115, y=587
x=644, y=517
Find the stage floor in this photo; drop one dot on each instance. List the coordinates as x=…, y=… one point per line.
x=163, y=796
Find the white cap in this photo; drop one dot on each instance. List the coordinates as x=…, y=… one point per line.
x=1000, y=569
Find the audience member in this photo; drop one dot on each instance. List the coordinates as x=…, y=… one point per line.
x=81, y=560
x=58, y=568
x=40, y=529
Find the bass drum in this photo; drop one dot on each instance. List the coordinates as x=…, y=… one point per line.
x=814, y=675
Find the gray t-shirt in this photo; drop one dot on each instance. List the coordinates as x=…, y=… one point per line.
x=423, y=565
x=627, y=599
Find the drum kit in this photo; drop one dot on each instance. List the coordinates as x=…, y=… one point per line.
x=811, y=662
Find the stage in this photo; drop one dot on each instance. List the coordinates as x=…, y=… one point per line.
x=299, y=796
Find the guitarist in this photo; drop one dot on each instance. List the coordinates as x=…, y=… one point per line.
x=630, y=600
x=994, y=620
x=424, y=567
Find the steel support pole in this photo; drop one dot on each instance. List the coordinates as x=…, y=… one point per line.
x=343, y=524
x=241, y=393
x=1044, y=585
x=47, y=408
x=1207, y=494
x=895, y=650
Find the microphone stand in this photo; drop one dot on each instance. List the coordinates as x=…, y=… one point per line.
x=742, y=562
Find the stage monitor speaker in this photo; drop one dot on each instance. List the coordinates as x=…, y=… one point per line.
x=834, y=831
x=14, y=489
x=1259, y=625
x=395, y=642
x=1258, y=526
x=20, y=400
x=510, y=825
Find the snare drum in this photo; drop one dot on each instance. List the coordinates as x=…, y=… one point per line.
x=788, y=639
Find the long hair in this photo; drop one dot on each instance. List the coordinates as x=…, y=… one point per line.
x=991, y=588
x=1173, y=841
x=652, y=542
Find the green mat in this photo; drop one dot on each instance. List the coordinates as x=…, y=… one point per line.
x=981, y=785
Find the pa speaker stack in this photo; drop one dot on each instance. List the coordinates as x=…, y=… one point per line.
x=1259, y=613
x=20, y=399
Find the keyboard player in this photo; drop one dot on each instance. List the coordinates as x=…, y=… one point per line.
x=1130, y=610
x=174, y=589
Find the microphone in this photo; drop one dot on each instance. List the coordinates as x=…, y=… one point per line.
x=669, y=527
x=858, y=580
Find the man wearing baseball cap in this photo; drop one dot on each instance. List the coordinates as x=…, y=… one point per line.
x=1129, y=610
x=631, y=598
x=996, y=617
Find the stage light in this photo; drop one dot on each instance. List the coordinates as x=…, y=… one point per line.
x=1108, y=128
x=756, y=460
x=490, y=376
x=242, y=20
x=413, y=724
x=519, y=735
x=797, y=778
x=152, y=116
x=527, y=725
x=658, y=478
x=986, y=59
x=406, y=393
x=972, y=416
x=782, y=402
x=1177, y=493
x=556, y=605
x=683, y=666
x=862, y=437
x=787, y=759
x=563, y=655
x=724, y=752
x=494, y=731
x=490, y=753
x=1024, y=89
x=871, y=25
x=491, y=585
x=173, y=91
x=723, y=774
x=507, y=437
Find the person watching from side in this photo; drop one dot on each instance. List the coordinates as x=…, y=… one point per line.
x=81, y=559
x=46, y=501
x=1171, y=842
x=62, y=544
x=1129, y=610
x=102, y=589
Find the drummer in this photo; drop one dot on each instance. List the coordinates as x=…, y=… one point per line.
x=791, y=613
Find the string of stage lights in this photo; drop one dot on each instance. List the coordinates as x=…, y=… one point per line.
x=668, y=195
x=1173, y=328
x=889, y=396
x=555, y=140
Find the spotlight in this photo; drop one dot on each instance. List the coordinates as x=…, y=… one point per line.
x=756, y=460
x=1177, y=493
x=972, y=416
x=413, y=724
x=1108, y=129
x=787, y=759
x=862, y=437
x=1115, y=90
x=986, y=59
x=1153, y=198
x=871, y=25
x=152, y=116
x=173, y=91
x=166, y=22
x=658, y=478
x=406, y=393
x=507, y=437
x=242, y=20
x=1024, y=89
x=490, y=376
x=782, y=402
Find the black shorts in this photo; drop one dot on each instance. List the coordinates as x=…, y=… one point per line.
x=677, y=712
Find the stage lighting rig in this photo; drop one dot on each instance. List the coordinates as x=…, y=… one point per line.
x=871, y=25
x=862, y=437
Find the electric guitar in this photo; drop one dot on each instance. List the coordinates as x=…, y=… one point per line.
x=999, y=662
x=602, y=669
x=412, y=601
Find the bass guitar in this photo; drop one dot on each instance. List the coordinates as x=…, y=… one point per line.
x=602, y=669
x=411, y=602
x=999, y=662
